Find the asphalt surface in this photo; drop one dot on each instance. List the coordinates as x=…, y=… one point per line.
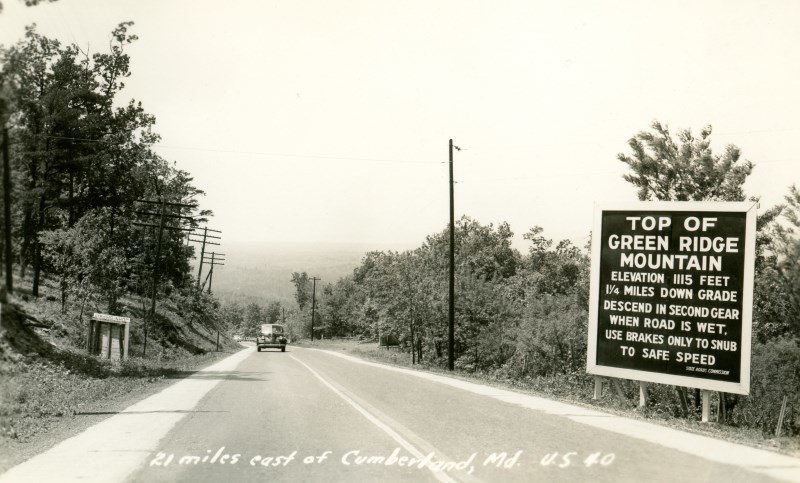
x=307, y=415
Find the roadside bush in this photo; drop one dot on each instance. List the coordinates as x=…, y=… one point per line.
x=775, y=373
x=551, y=337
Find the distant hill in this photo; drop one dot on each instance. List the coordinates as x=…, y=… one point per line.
x=262, y=272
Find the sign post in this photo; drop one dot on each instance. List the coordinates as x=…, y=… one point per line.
x=672, y=293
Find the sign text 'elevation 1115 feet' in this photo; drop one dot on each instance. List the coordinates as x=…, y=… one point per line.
x=672, y=293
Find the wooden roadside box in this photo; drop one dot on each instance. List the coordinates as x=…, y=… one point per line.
x=108, y=336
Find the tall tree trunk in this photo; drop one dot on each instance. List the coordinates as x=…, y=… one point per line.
x=71, y=198
x=62, y=284
x=37, y=250
x=411, y=327
x=113, y=214
x=112, y=296
x=28, y=229
x=83, y=305
x=413, y=347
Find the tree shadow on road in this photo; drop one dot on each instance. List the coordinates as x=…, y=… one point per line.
x=221, y=375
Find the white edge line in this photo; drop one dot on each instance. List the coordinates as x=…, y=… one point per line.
x=439, y=474
x=769, y=463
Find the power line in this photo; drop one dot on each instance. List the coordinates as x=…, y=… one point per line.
x=204, y=242
x=236, y=151
x=161, y=227
x=372, y=160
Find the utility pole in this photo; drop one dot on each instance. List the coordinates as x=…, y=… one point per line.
x=313, y=305
x=155, y=275
x=211, y=272
x=204, y=242
x=452, y=311
x=7, y=213
x=202, y=253
x=215, y=260
x=161, y=227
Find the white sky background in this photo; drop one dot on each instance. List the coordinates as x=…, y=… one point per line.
x=261, y=101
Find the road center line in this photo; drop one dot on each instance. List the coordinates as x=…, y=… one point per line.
x=439, y=474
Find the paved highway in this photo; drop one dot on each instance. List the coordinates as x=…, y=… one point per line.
x=308, y=415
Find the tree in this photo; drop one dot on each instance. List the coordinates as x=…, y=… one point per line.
x=231, y=316
x=73, y=141
x=787, y=263
x=253, y=318
x=73, y=145
x=684, y=169
x=29, y=3
x=86, y=259
x=302, y=286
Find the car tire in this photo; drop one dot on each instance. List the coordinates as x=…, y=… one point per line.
x=283, y=349
x=259, y=349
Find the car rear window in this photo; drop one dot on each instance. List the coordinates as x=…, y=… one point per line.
x=268, y=329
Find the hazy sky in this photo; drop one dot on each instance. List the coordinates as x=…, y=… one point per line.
x=328, y=121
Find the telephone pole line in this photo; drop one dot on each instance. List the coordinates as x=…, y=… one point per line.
x=161, y=227
x=215, y=260
x=452, y=280
x=204, y=242
x=313, y=304
x=7, y=214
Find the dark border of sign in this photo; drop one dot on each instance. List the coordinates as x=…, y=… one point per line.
x=748, y=207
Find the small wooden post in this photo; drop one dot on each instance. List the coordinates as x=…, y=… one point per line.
x=598, y=387
x=642, y=394
x=125, y=341
x=91, y=336
x=780, y=418
x=618, y=388
x=706, y=401
x=683, y=400
x=110, y=338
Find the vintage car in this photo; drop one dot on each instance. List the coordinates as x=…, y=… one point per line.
x=271, y=336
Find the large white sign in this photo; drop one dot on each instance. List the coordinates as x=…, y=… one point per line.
x=671, y=296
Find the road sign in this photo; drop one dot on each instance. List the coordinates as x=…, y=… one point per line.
x=672, y=293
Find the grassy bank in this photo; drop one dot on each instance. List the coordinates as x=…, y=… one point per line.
x=578, y=388
x=44, y=400
x=51, y=388
x=36, y=393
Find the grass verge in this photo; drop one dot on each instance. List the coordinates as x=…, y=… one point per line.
x=43, y=402
x=51, y=388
